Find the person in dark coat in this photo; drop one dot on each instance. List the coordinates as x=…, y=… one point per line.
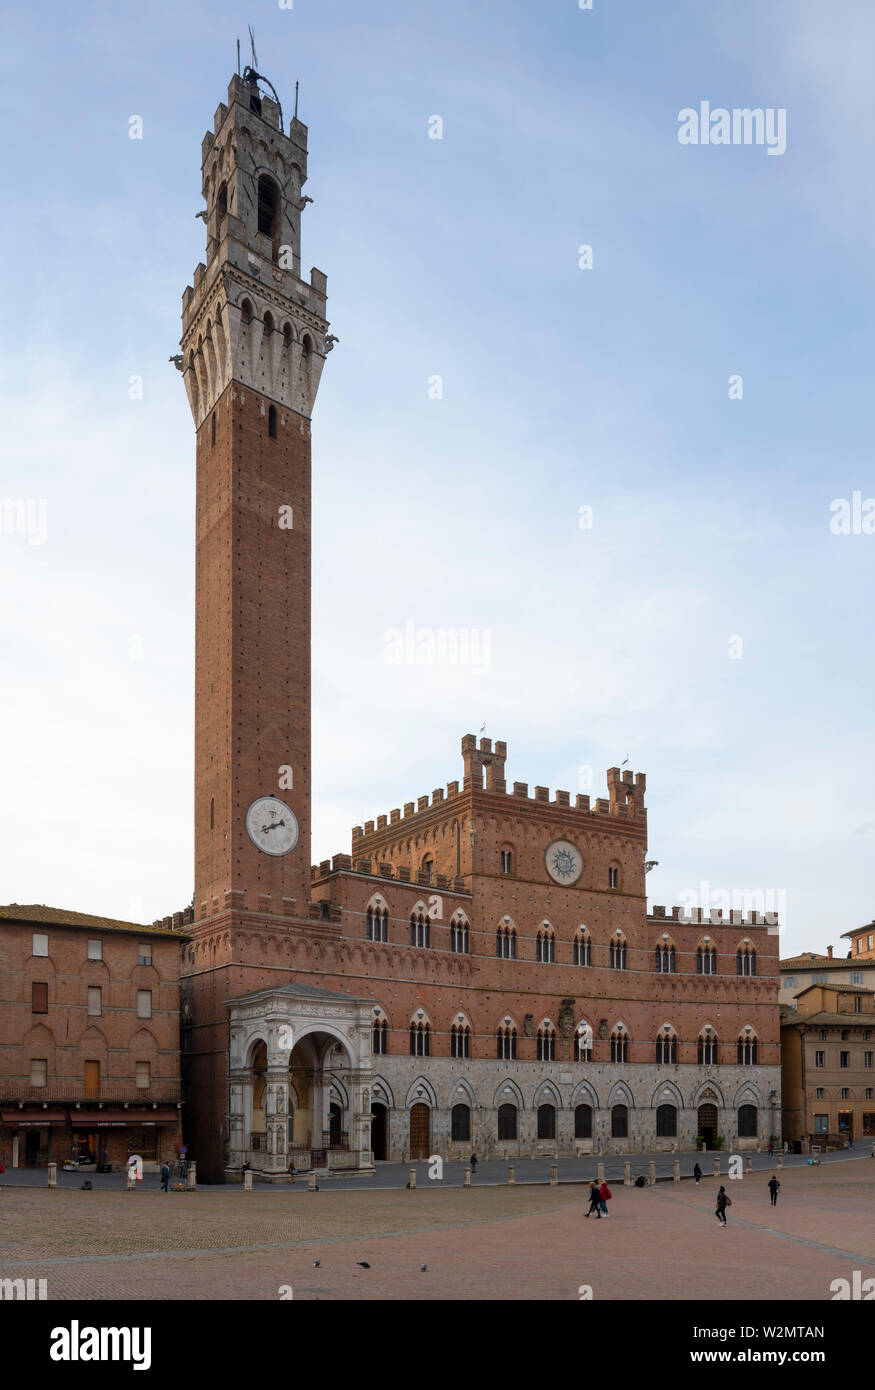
x=773, y=1190
x=722, y=1203
x=594, y=1200
x=165, y=1176
x=697, y=1174
x=473, y=1163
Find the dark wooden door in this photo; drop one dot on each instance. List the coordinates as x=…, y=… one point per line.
x=707, y=1117
x=420, y=1131
x=379, y=1130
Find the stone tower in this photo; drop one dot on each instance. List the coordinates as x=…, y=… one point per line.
x=254, y=340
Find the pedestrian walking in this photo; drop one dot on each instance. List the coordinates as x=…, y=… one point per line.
x=605, y=1195
x=473, y=1163
x=165, y=1176
x=697, y=1174
x=773, y=1190
x=771, y=1149
x=594, y=1200
x=723, y=1201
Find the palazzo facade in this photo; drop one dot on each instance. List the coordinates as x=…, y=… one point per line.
x=480, y=970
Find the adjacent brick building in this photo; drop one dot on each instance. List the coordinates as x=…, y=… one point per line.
x=828, y=1055
x=481, y=969
x=89, y=1038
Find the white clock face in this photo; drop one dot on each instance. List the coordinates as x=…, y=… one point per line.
x=564, y=862
x=272, y=825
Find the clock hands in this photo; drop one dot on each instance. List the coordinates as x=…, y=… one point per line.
x=276, y=825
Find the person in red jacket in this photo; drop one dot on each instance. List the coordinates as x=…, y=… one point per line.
x=605, y=1195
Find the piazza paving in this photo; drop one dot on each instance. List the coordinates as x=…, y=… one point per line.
x=522, y=1242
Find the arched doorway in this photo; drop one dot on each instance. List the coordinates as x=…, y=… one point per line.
x=507, y=1122
x=420, y=1131
x=335, y=1125
x=546, y=1122
x=707, y=1122
x=460, y=1124
x=748, y=1122
x=380, y=1130
x=583, y=1121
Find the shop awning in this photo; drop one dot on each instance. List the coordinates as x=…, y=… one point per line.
x=32, y=1119
x=138, y=1119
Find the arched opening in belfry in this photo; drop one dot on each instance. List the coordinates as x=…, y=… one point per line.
x=268, y=208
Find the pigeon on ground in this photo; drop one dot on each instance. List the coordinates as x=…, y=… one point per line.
x=316, y=1264
x=364, y=1264
x=423, y=1268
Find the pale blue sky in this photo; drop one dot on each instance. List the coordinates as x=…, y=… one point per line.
x=562, y=388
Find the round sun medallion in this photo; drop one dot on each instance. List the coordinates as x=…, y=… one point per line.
x=564, y=862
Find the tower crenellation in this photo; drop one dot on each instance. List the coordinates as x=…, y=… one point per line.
x=248, y=314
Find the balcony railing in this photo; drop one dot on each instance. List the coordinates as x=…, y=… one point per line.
x=109, y=1093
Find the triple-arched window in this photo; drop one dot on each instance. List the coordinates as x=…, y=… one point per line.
x=664, y=961
x=583, y=1042
x=582, y=947
x=666, y=1046
x=747, y=1048
x=420, y=928
x=377, y=924
x=459, y=935
x=746, y=959
x=379, y=1037
x=706, y=959
x=617, y=953
x=707, y=1048
x=546, y=1042
x=506, y=1039
x=460, y=1040
x=420, y=1039
x=505, y=942
x=545, y=945
x=620, y=1044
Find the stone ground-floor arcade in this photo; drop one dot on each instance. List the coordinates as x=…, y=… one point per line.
x=453, y=1107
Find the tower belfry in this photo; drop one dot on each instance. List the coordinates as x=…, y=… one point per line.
x=253, y=348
